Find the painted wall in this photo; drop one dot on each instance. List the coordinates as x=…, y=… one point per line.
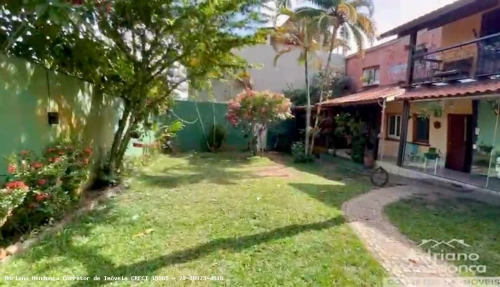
x=192, y=137
x=25, y=101
x=391, y=57
x=437, y=137
x=287, y=72
x=462, y=31
x=486, y=121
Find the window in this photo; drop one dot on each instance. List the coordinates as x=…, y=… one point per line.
x=371, y=76
x=420, y=129
x=394, y=126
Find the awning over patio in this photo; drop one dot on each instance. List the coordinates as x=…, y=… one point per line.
x=366, y=97
x=453, y=90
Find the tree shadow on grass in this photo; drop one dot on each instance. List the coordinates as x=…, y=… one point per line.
x=218, y=168
x=149, y=267
x=330, y=194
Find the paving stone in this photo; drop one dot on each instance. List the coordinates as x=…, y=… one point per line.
x=398, y=255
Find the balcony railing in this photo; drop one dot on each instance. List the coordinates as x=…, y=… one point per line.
x=470, y=60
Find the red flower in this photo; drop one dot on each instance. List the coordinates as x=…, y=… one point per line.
x=11, y=169
x=39, y=197
x=17, y=185
x=32, y=205
x=37, y=165
x=57, y=159
x=88, y=150
x=24, y=152
x=61, y=153
x=42, y=181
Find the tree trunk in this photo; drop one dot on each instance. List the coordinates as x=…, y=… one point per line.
x=117, y=140
x=308, y=107
x=323, y=81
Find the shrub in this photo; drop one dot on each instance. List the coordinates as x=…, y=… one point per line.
x=40, y=187
x=250, y=108
x=216, y=137
x=299, y=154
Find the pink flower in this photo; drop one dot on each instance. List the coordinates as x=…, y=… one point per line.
x=17, y=185
x=11, y=169
x=37, y=165
x=57, y=159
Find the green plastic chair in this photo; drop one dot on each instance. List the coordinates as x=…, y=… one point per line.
x=433, y=154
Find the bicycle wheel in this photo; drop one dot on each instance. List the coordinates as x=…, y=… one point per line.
x=379, y=177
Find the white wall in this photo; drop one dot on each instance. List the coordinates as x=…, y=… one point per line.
x=268, y=77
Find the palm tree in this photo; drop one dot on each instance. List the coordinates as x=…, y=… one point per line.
x=303, y=34
x=352, y=19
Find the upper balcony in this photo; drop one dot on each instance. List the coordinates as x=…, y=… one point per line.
x=475, y=59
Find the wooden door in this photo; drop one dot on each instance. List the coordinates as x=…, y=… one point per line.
x=457, y=142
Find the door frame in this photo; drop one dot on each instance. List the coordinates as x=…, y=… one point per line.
x=469, y=131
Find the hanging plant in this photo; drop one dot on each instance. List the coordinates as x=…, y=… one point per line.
x=434, y=109
x=495, y=106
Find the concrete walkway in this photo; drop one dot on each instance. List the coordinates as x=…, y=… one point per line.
x=398, y=255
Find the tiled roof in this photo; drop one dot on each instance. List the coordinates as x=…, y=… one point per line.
x=453, y=90
x=365, y=97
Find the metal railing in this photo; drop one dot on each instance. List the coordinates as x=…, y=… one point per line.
x=472, y=59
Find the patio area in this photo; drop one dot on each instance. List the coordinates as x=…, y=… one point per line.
x=460, y=179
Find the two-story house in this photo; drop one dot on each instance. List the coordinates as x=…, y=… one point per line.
x=377, y=77
x=446, y=123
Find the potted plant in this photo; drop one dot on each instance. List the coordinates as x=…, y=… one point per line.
x=369, y=161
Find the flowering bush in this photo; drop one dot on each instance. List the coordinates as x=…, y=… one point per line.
x=39, y=187
x=252, y=107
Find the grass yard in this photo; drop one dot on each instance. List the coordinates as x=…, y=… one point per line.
x=446, y=219
x=251, y=221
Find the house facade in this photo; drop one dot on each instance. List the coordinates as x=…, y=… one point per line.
x=439, y=103
x=446, y=122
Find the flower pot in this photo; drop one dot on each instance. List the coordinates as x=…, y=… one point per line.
x=138, y=145
x=369, y=161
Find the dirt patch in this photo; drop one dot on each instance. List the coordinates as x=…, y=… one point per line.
x=275, y=171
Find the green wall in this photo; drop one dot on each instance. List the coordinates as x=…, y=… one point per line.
x=486, y=124
x=192, y=138
x=25, y=101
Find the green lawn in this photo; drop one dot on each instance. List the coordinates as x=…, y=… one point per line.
x=444, y=219
x=242, y=219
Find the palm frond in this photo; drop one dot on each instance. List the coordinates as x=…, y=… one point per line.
x=359, y=38
x=367, y=4
x=326, y=4
x=279, y=54
x=366, y=25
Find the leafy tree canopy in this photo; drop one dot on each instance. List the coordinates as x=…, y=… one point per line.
x=132, y=49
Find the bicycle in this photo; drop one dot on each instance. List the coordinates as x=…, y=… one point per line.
x=379, y=177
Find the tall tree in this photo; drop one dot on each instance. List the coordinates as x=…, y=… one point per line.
x=300, y=33
x=133, y=46
x=350, y=19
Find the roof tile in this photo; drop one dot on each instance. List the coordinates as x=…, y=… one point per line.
x=453, y=90
x=366, y=97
